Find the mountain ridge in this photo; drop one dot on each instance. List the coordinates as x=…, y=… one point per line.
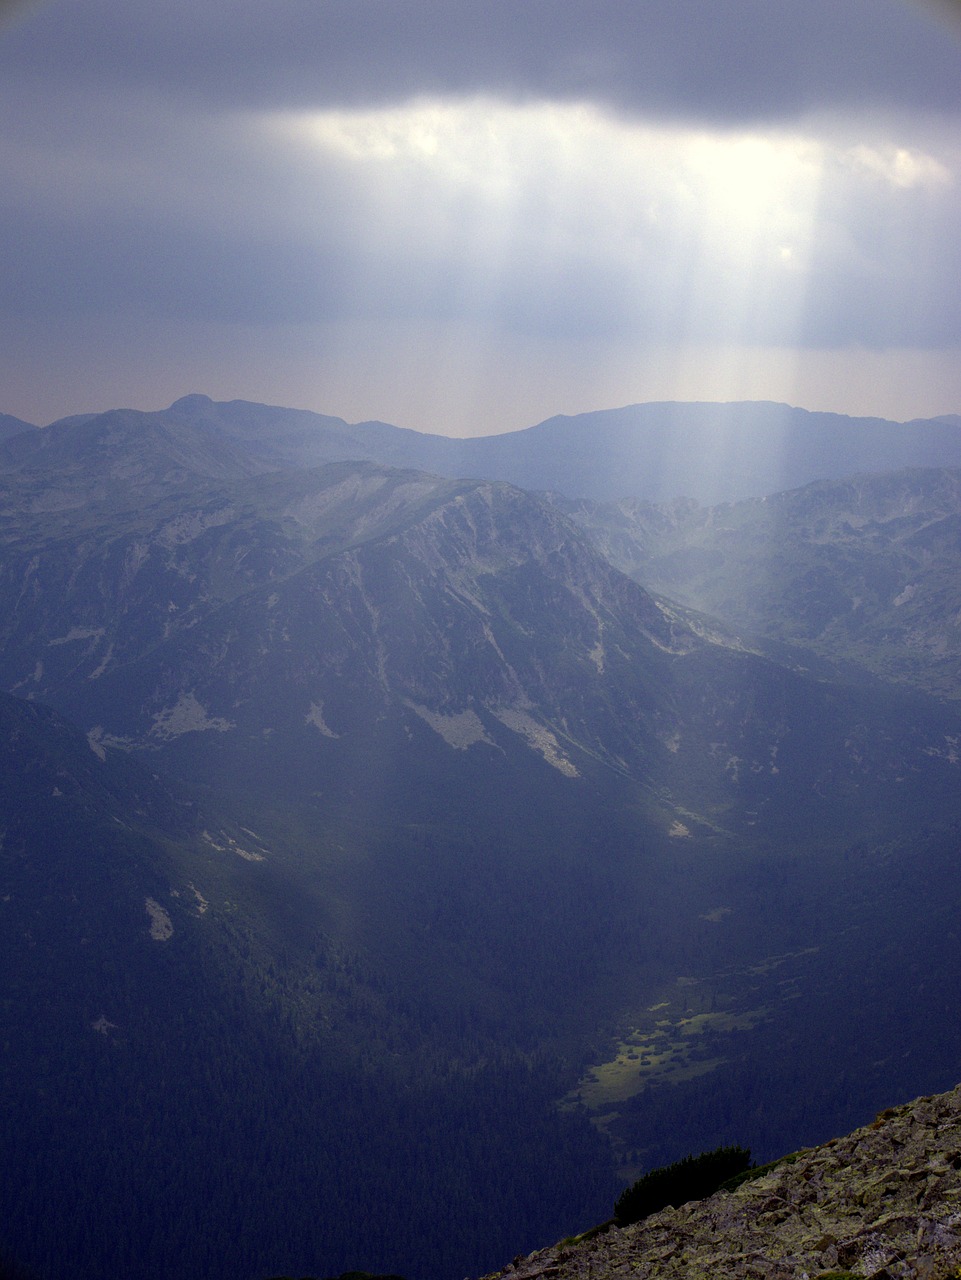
x=710, y=451
x=662, y=449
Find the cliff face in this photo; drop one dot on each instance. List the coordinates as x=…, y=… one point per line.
x=882, y=1203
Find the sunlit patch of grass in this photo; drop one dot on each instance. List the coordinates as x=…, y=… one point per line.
x=670, y=1051
x=681, y=1037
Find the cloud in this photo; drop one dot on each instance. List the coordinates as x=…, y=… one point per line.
x=544, y=219
x=731, y=61
x=900, y=166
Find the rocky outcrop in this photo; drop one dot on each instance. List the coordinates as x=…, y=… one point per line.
x=882, y=1203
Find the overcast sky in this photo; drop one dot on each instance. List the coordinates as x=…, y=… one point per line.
x=464, y=218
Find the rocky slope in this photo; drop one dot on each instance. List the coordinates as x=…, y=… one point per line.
x=882, y=1203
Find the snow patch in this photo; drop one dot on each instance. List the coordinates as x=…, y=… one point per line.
x=315, y=716
x=95, y=675
x=459, y=730
x=230, y=845
x=539, y=739
x=948, y=752
x=78, y=633
x=161, y=926
x=717, y=915
x=187, y=715
x=202, y=903
x=99, y=738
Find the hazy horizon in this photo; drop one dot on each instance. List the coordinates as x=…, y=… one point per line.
x=605, y=409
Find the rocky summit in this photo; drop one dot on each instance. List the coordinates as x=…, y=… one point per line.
x=882, y=1203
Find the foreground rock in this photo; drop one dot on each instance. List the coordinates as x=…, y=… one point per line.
x=883, y=1202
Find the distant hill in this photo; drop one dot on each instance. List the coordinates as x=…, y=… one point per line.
x=10, y=426
x=118, y=455
x=659, y=451
x=709, y=452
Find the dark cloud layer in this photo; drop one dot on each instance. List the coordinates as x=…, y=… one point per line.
x=722, y=61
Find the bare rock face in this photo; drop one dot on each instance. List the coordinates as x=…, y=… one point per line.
x=882, y=1203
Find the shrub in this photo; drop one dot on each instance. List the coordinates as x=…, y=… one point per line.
x=692, y=1178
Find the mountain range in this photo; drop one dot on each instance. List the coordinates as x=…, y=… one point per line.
x=400, y=860
x=658, y=451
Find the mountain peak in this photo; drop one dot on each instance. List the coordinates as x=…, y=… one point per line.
x=191, y=403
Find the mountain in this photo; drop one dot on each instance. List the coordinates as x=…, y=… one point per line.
x=492, y=875
x=880, y=1202
x=114, y=457
x=658, y=451
x=10, y=426
x=708, y=452
x=863, y=572
x=275, y=633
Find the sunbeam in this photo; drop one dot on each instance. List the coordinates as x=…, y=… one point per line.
x=515, y=221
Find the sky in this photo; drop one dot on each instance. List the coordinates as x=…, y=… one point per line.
x=466, y=218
